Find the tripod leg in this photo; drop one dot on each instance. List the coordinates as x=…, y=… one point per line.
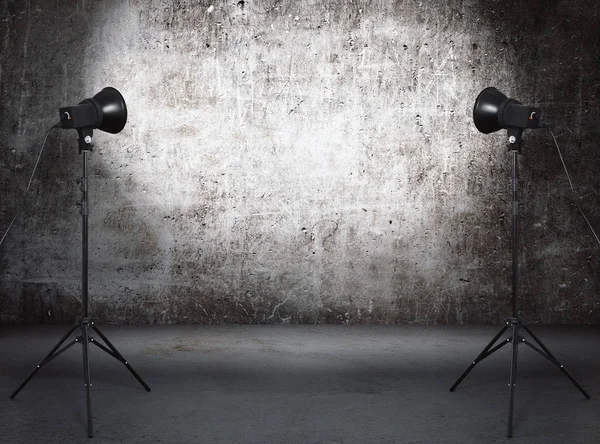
x=115, y=353
x=484, y=353
x=513, y=376
x=50, y=356
x=87, y=378
x=548, y=355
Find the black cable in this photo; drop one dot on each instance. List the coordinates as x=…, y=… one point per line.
x=30, y=179
x=573, y=188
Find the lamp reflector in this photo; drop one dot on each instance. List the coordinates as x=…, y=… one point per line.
x=113, y=110
x=485, y=111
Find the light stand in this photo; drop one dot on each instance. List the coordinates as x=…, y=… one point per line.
x=491, y=103
x=85, y=323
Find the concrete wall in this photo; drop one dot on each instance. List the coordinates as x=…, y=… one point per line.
x=299, y=161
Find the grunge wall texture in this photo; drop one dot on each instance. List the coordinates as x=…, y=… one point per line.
x=299, y=161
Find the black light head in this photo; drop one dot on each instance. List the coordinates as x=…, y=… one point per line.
x=494, y=111
x=106, y=111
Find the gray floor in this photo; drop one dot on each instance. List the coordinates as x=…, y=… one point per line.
x=299, y=384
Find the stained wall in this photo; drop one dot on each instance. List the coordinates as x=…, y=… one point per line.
x=299, y=162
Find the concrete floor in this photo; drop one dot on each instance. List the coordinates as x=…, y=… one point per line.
x=299, y=384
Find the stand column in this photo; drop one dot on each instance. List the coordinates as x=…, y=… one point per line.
x=85, y=145
x=84, y=235
x=514, y=145
x=515, y=234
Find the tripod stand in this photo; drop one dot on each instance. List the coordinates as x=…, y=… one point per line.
x=85, y=146
x=515, y=322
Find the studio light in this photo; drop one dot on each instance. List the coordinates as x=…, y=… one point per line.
x=106, y=111
x=494, y=111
